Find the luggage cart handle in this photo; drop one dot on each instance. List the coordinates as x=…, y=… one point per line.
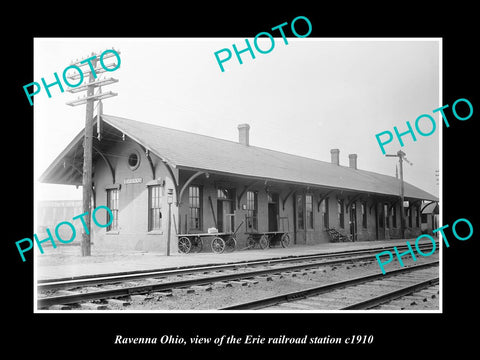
x=235, y=232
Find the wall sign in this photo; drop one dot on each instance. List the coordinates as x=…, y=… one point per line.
x=133, y=181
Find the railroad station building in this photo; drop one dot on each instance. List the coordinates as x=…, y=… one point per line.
x=231, y=186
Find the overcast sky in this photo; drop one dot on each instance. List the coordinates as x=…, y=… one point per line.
x=303, y=98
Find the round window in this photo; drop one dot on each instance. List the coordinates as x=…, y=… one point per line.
x=133, y=160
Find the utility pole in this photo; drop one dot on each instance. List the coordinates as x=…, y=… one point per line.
x=89, y=100
x=401, y=156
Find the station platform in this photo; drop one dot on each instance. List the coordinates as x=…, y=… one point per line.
x=66, y=262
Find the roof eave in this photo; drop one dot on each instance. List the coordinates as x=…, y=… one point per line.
x=312, y=185
x=60, y=158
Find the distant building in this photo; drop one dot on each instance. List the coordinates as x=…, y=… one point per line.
x=226, y=184
x=52, y=212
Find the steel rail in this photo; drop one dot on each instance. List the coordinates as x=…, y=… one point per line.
x=168, y=286
x=55, y=284
x=125, y=291
x=301, y=294
x=392, y=295
x=226, y=265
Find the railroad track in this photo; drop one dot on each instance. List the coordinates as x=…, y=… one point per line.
x=87, y=289
x=363, y=292
x=425, y=298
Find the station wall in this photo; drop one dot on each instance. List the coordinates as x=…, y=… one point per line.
x=134, y=230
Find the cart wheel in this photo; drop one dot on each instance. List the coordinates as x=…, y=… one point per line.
x=197, y=244
x=184, y=245
x=218, y=245
x=250, y=242
x=264, y=242
x=230, y=243
x=285, y=240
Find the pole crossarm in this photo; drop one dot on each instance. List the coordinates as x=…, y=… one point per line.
x=86, y=73
x=86, y=99
x=82, y=61
x=93, y=84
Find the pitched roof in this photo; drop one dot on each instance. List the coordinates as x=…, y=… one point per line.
x=187, y=150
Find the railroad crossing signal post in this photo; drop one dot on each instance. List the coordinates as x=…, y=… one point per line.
x=88, y=138
x=401, y=156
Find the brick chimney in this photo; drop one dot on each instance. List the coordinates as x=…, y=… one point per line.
x=335, y=156
x=243, y=134
x=353, y=161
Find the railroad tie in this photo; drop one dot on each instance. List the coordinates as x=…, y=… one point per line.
x=108, y=287
x=66, y=292
x=138, y=297
x=387, y=307
x=91, y=288
x=60, y=307
x=271, y=277
x=418, y=297
x=220, y=284
x=183, y=291
x=431, y=293
x=93, y=306
x=265, y=277
x=160, y=294
x=207, y=287
x=117, y=302
x=238, y=282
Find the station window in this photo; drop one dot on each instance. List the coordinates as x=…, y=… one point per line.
x=112, y=203
x=309, y=211
x=364, y=214
x=252, y=210
x=381, y=217
x=410, y=210
x=325, y=213
x=194, y=201
x=133, y=160
x=341, y=214
x=424, y=218
x=300, y=212
x=394, y=216
x=417, y=217
x=387, y=216
x=154, y=207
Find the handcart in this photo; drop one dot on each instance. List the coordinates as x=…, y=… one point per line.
x=268, y=238
x=220, y=241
